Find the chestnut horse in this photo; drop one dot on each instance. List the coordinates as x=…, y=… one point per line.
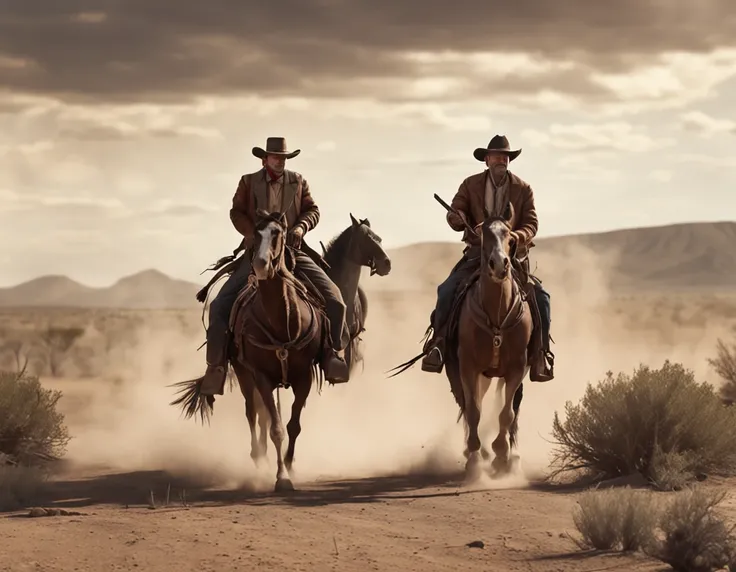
x=489, y=337
x=280, y=334
x=355, y=248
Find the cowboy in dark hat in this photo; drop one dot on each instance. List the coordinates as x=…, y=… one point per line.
x=274, y=189
x=480, y=195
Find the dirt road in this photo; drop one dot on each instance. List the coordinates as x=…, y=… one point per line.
x=383, y=523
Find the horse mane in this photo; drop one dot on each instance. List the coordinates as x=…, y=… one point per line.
x=337, y=247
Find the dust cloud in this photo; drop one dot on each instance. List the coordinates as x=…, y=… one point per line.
x=373, y=425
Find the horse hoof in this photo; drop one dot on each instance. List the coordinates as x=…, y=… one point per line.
x=284, y=485
x=500, y=467
x=485, y=454
x=473, y=469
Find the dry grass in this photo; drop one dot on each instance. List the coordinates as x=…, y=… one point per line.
x=686, y=533
x=615, y=519
x=695, y=537
x=660, y=423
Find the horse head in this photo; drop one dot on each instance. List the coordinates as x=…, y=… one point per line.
x=269, y=244
x=498, y=246
x=366, y=249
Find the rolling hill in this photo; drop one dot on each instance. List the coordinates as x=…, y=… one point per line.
x=691, y=256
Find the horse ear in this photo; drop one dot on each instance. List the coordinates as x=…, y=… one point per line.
x=366, y=222
x=508, y=212
x=354, y=220
x=260, y=213
x=282, y=219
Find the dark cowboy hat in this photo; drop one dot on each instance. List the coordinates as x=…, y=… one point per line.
x=499, y=144
x=275, y=146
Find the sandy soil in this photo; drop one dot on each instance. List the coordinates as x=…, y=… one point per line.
x=378, y=460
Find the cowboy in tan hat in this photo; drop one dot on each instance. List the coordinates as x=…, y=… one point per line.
x=479, y=195
x=274, y=189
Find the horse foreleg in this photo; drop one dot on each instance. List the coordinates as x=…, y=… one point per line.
x=277, y=433
x=263, y=424
x=472, y=412
x=302, y=388
x=506, y=417
x=252, y=399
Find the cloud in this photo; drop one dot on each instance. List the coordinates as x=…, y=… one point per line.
x=549, y=52
x=705, y=125
x=600, y=138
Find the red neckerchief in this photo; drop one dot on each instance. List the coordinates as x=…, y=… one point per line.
x=272, y=176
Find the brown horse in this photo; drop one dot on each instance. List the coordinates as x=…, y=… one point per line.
x=495, y=315
x=489, y=337
x=280, y=336
x=355, y=248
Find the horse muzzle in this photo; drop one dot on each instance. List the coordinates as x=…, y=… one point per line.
x=382, y=267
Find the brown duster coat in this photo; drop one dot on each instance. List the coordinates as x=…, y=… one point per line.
x=470, y=200
x=252, y=194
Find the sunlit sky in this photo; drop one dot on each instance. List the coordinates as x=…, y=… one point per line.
x=125, y=126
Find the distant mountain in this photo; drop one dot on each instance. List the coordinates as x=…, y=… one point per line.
x=149, y=289
x=690, y=256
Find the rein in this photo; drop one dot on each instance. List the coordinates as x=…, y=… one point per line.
x=497, y=329
x=282, y=348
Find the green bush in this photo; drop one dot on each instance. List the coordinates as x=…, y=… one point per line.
x=32, y=431
x=657, y=422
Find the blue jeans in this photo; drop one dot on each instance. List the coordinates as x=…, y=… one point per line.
x=545, y=309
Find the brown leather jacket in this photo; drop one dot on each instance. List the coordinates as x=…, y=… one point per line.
x=470, y=200
x=252, y=194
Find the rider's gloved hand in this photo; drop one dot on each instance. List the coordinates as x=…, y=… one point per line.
x=456, y=221
x=294, y=238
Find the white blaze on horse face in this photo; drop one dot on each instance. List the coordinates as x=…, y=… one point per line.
x=498, y=259
x=262, y=258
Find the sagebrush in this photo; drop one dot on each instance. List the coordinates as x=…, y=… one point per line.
x=612, y=519
x=687, y=532
x=725, y=365
x=695, y=538
x=660, y=423
x=32, y=430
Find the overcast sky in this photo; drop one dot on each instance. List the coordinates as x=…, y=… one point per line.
x=126, y=124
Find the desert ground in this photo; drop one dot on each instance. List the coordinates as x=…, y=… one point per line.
x=379, y=460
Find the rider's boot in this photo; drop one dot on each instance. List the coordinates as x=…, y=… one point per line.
x=539, y=368
x=334, y=365
x=434, y=359
x=213, y=381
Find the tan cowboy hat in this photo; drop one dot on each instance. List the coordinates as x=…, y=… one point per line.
x=275, y=146
x=499, y=144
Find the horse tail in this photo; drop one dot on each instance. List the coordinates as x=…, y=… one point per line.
x=516, y=406
x=192, y=402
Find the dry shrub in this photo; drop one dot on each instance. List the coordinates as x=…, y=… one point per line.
x=615, y=519
x=31, y=428
x=32, y=434
x=725, y=365
x=660, y=423
x=695, y=538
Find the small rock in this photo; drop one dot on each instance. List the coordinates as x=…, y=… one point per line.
x=476, y=544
